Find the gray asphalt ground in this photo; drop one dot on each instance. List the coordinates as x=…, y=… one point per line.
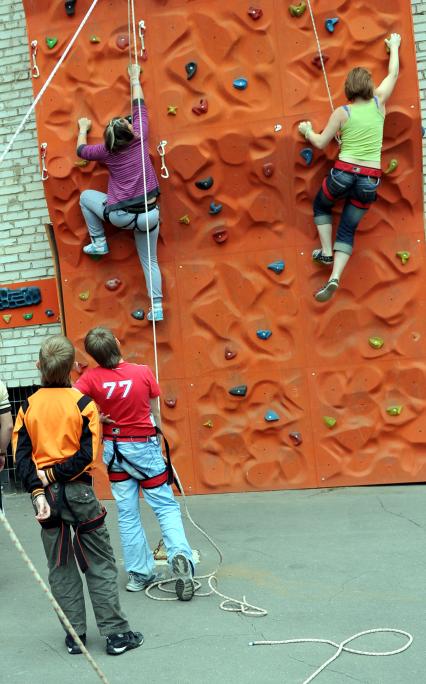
x=324, y=563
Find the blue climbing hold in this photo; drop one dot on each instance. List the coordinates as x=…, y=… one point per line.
x=139, y=314
x=238, y=391
x=264, y=334
x=215, y=208
x=271, y=416
x=307, y=155
x=423, y=131
x=240, y=83
x=331, y=23
x=277, y=266
x=205, y=183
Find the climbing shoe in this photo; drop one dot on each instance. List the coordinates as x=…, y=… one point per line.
x=97, y=248
x=138, y=582
x=116, y=644
x=182, y=569
x=72, y=646
x=326, y=292
x=156, y=313
x=319, y=258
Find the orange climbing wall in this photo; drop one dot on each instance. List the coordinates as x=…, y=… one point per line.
x=318, y=361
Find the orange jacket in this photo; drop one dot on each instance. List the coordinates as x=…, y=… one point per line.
x=57, y=430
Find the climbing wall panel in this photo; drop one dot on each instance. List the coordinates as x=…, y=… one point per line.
x=335, y=395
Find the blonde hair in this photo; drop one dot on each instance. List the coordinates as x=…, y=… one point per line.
x=56, y=359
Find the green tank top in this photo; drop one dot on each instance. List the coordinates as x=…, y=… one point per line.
x=362, y=133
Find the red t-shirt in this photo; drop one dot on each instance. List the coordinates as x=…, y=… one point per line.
x=123, y=393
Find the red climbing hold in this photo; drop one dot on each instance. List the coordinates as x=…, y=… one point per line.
x=202, y=108
x=171, y=403
x=220, y=235
x=122, y=41
x=255, y=13
x=229, y=354
x=316, y=61
x=112, y=283
x=268, y=169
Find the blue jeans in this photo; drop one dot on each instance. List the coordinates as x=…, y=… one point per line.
x=357, y=191
x=136, y=551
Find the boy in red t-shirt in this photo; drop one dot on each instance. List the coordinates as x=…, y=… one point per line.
x=127, y=394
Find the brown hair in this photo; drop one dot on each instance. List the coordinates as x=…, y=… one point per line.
x=102, y=346
x=56, y=359
x=117, y=134
x=359, y=84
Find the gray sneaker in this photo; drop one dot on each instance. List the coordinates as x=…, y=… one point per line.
x=182, y=569
x=138, y=582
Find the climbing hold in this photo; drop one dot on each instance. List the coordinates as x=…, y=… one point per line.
x=84, y=296
x=202, y=108
x=49, y=313
x=81, y=163
x=208, y=424
x=229, y=354
x=329, y=421
x=171, y=403
x=205, y=183
x=296, y=438
x=297, y=10
x=95, y=39
x=307, y=154
x=264, y=334
x=404, y=256
x=238, y=391
x=331, y=23
x=277, y=128
x=277, y=266
x=139, y=314
x=215, y=208
x=393, y=164
x=27, y=316
x=376, y=342
x=316, y=61
x=7, y=317
x=70, y=7
x=423, y=131
x=394, y=410
x=122, y=41
x=240, y=83
x=268, y=169
x=112, y=284
x=255, y=13
x=172, y=110
x=271, y=416
x=220, y=235
x=191, y=70
x=185, y=219
x=51, y=42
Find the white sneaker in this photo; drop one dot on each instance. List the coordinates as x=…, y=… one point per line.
x=96, y=248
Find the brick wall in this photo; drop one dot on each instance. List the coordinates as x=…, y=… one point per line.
x=24, y=250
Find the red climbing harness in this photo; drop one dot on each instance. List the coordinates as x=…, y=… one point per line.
x=359, y=170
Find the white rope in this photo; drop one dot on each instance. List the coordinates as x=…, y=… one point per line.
x=47, y=83
x=314, y=26
x=61, y=615
x=154, y=332
x=342, y=646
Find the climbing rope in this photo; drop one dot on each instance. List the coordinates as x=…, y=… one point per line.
x=342, y=646
x=61, y=615
x=314, y=26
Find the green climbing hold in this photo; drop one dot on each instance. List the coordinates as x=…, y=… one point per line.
x=376, y=342
x=329, y=421
x=394, y=410
x=404, y=256
x=393, y=165
x=238, y=391
x=7, y=317
x=51, y=42
x=27, y=316
x=297, y=10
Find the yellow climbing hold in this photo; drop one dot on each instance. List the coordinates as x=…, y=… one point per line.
x=394, y=410
x=81, y=162
x=329, y=421
x=376, y=342
x=172, y=110
x=185, y=219
x=208, y=424
x=95, y=39
x=7, y=317
x=297, y=10
x=404, y=256
x=84, y=296
x=393, y=164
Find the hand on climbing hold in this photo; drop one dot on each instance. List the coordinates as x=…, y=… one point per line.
x=304, y=127
x=84, y=124
x=134, y=71
x=394, y=41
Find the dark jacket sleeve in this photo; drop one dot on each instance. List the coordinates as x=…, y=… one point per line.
x=23, y=452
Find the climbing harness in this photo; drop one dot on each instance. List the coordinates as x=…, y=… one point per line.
x=161, y=149
x=35, y=70
x=342, y=646
x=43, y=153
x=165, y=477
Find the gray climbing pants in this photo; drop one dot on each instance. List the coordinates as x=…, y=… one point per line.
x=101, y=575
x=92, y=205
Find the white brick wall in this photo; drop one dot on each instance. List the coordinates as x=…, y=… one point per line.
x=24, y=250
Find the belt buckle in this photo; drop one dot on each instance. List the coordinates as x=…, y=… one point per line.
x=356, y=169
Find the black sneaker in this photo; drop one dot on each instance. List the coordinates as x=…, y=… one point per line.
x=116, y=644
x=319, y=258
x=72, y=646
x=184, y=586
